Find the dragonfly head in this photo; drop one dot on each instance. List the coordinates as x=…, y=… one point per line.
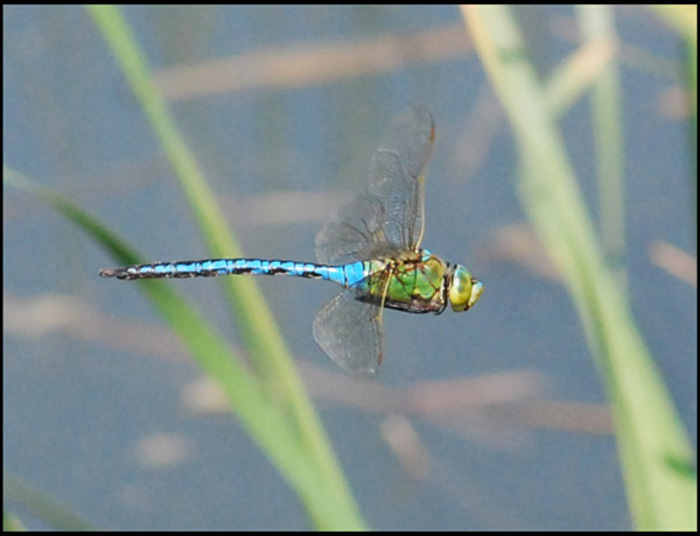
x=465, y=290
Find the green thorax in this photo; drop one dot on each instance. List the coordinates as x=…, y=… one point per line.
x=415, y=282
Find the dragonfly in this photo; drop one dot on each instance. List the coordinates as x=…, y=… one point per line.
x=372, y=248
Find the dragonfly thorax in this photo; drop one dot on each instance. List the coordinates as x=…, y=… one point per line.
x=415, y=282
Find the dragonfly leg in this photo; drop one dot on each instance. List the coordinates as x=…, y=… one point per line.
x=380, y=313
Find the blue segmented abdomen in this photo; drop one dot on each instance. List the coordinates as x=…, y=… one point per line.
x=346, y=275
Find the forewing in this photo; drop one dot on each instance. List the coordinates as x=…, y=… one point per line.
x=350, y=332
x=388, y=218
x=397, y=175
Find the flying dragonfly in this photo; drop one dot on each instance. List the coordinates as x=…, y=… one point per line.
x=372, y=248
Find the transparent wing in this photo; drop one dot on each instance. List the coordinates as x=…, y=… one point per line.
x=356, y=233
x=397, y=176
x=389, y=217
x=350, y=332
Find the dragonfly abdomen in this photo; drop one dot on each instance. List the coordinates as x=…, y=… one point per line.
x=346, y=275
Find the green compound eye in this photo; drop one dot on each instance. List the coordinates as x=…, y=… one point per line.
x=465, y=291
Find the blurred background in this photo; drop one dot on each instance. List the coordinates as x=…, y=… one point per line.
x=491, y=420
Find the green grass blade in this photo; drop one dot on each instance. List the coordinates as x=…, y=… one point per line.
x=655, y=453
x=48, y=508
x=691, y=70
x=570, y=81
x=684, y=20
x=248, y=396
x=597, y=25
x=253, y=318
x=212, y=223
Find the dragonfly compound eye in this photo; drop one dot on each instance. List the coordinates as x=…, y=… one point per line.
x=465, y=291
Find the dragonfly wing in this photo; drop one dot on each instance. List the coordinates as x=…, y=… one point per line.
x=357, y=232
x=350, y=332
x=397, y=175
x=388, y=218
